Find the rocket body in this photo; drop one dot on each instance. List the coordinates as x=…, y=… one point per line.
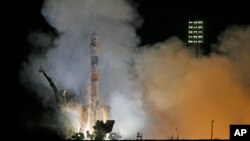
x=93, y=111
x=94, y=53
x=94, y=93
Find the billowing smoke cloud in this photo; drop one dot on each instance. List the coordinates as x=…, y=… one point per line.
x=183, y=94
x=159, y=90
x=67, y=58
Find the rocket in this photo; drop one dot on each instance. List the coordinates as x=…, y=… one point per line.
x=94, y=111
x=94, y=94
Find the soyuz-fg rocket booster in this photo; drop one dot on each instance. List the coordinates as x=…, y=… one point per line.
x=94, y=95
x=94, y=111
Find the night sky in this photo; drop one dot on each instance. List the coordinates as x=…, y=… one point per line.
x=161, y=20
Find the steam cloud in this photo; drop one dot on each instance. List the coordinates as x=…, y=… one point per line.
x=156, y=90
x=184, y=94
x=68, y=60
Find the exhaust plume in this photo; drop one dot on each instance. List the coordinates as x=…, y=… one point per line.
x=67, y=60
x=156, y=90
x=185, y=93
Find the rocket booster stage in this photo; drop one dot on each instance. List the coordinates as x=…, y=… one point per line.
x=93, y=111
x=94, y=53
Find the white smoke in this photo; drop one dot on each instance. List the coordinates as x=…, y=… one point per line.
x=67, y=60
x=165, y=87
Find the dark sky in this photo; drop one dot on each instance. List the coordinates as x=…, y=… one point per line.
x=162, y=19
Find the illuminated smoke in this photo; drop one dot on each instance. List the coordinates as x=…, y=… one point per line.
x=186, y=93
x=165, y=89
x=67, y=58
